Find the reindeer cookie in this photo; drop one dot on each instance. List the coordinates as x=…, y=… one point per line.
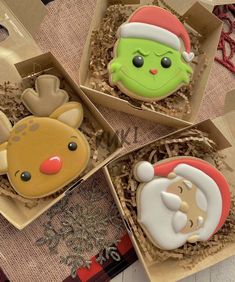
x=180, y=200
x=42, y=153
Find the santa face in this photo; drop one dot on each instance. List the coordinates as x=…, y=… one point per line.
x=171, y=211
x=188, y=202
x=147, y=70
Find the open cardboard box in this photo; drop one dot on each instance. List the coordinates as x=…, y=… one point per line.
x=14, y=210
x=212, y=3
x=208, y=4
x=222, y=131
x=19, y=21
x=197, y=17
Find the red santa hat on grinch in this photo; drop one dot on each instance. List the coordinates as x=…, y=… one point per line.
x=214, y=192
x=157, y=24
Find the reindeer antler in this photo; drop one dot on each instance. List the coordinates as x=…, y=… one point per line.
x=5, y=128
x=47, y=97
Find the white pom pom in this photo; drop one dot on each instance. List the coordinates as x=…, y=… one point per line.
x=144, y=171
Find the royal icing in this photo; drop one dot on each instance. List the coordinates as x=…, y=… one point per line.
x=37, y=152
x=179, y=221
x=148, y=64
x=187, y=199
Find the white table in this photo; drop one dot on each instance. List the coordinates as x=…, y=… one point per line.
x=222, y=272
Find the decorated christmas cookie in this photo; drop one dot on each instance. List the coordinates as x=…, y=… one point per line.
x=42, y=153
x=150, y=61
x=180, y=200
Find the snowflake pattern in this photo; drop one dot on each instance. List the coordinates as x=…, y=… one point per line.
x=83, y=227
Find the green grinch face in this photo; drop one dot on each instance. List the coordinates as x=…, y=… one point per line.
x=147, y=70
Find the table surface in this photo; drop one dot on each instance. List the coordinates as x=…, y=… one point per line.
x=65, y=28
x=224, y=271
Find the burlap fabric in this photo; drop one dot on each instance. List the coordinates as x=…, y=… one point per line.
x=63, y=32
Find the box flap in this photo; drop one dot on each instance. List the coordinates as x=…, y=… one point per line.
x=218, y=2
x=29, y=12
x=226, y=122
x=17, y=45
x=229, y=110
x=181, y=6
x=229, y=105
x=207, y=23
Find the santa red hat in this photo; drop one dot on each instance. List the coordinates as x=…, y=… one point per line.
x=157, y=24
x=213, y=185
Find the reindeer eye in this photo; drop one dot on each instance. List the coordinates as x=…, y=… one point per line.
x=72, y=146
x=25, y=176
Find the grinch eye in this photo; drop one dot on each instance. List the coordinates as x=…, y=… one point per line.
x=138, y=61
x=166, y=62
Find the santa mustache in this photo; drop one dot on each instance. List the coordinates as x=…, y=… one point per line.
x=173, y=203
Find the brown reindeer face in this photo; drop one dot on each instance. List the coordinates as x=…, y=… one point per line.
x=43, y=154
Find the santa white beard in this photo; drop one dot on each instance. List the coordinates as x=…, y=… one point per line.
x=156, y=219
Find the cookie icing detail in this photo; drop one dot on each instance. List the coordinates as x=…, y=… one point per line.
x=186, y=200
x=39, y=152
x=151, y=55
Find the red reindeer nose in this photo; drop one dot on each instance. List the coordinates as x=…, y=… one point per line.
x=153, y=71
x=51, y=166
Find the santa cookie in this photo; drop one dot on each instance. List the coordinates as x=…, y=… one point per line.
x=150, y=62
x=180, y=200
x=44, y=152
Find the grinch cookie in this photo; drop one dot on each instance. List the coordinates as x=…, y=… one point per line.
x=149, y=63
x=180, y=200
x=42, y=154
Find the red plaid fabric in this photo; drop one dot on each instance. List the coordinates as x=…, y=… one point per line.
x=226, y=13
x=110, y=268
x=3, y=277
x=46, y=1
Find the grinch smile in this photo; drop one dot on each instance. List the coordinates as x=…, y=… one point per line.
x=148, y=88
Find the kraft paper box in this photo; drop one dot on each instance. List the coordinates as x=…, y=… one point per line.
x=198, y=18
x=18, y=22
x=208, y=4
x=14, y=210
x=222, y=131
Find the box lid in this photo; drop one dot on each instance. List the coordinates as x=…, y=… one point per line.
x=225, y=123
x=218, y=2
x=29, y=12
x=229, y=116
x=229, y=107
x=18, y=21
x=181, y=5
